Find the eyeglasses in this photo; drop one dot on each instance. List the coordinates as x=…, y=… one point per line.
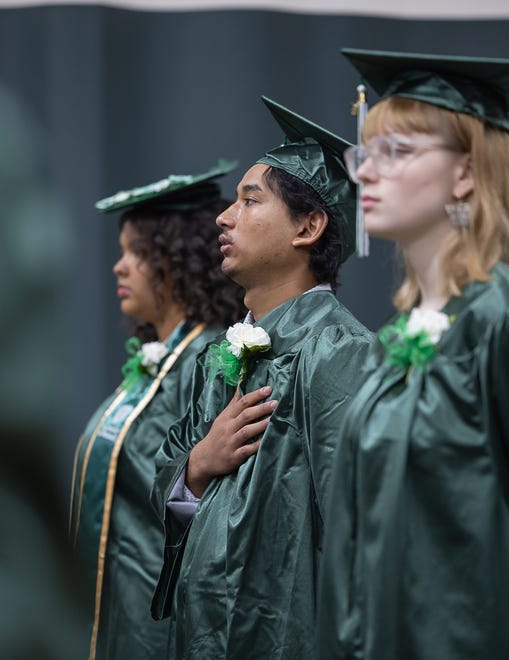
x=386, y=151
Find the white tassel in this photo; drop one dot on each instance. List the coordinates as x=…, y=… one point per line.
x=360, y=108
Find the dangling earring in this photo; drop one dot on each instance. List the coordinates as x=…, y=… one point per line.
x=459, y=213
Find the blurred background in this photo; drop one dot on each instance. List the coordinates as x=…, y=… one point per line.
x=94, y=99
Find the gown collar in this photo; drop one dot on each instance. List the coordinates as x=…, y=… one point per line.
x=319, y=287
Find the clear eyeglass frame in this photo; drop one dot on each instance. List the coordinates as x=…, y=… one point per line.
x=386, y=151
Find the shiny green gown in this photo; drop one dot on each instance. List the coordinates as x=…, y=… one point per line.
x=240, y=581
x=416, y=553
x=113, y=523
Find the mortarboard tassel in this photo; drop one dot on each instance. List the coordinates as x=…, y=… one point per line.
x=360, y=108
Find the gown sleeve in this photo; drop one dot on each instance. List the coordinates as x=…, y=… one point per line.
x=498, y=397
x=206, y=400
x=335, y=364
x=500, y=376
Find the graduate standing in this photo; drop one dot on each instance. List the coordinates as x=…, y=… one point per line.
x=416, y=553
x=170, y=282
x=239, y=581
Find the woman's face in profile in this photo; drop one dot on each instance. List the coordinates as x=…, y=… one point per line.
x=408, y=200
x=134, y=275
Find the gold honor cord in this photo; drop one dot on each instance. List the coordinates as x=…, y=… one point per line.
x=108, y=498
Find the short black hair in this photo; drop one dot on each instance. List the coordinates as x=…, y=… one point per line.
x=301, y=199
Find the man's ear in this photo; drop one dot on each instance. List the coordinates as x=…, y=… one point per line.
x=311, y=228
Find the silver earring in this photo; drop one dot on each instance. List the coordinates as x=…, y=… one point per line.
x=459, y=213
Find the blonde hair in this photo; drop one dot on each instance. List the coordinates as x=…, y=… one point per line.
x=470, y=252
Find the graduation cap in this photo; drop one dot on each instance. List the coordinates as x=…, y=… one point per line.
x=178, y=192
x=315, y=156
x=475, y=86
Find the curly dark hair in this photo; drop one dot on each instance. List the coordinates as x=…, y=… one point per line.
x=182, y=247
x=325, y=256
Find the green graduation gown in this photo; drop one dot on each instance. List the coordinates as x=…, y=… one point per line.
x=240, y=580
x=416, y=554
x=113, y=523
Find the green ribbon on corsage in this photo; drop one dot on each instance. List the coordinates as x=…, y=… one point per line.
x=132, y=370
x=220, y=359
x=406, y=351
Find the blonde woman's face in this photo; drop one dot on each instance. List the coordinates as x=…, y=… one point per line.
x=404, y=196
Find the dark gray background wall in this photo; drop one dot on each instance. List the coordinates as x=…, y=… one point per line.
x=93, y=100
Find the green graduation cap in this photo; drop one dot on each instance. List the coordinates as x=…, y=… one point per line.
x=315, y=156
x=472, y=85
x=178, y=192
